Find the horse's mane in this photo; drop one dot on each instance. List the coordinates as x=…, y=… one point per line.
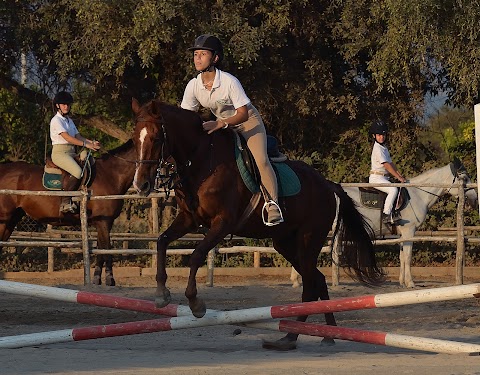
x=427, y=175
x=157, y=108
x=118, y=150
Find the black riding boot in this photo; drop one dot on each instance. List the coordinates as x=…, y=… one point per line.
x=70, y=183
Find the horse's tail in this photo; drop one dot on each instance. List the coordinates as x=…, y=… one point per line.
x=355, y=235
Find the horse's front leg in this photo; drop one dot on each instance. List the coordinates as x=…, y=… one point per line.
x=103, y=242
x=216, y=233
x=407, y=263
x=182, y=225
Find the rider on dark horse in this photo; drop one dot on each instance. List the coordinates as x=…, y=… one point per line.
x=223, y=94
x=382, y=168
x=65, y=136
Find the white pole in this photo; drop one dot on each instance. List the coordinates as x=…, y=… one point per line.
x=477, y=143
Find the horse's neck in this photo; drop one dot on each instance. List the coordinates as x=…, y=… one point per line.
x=121, y=162
x=188, y=144
x=430, y=195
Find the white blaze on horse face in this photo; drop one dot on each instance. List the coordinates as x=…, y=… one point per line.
x=141, y=138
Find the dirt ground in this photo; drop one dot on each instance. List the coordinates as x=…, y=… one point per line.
x=219, y=350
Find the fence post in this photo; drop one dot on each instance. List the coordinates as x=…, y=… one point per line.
x=211, y=265
x=155, y=227
x=51, y=253
x=460, y=256
x=256, y=259
x=85, y=244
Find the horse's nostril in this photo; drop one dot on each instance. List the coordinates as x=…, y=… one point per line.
x=145, y=188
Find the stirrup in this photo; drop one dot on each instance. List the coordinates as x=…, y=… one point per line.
x=68, y=208
x=265, y=209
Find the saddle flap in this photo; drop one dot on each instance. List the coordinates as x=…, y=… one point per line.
x=375, y=199
x=287, y=179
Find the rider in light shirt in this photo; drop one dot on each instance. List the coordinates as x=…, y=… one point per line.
x=223, y=94
x=382, y=167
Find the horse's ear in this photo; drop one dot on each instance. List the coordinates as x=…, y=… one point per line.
x=135, y=105
x=457, y=163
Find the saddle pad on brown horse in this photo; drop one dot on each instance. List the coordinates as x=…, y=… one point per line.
x=52, y=178
x=287, y=179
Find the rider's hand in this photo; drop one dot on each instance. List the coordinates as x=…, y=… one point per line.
x=93, y=145
x=211, y=126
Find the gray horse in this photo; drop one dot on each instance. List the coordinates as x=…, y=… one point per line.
x=414, y=212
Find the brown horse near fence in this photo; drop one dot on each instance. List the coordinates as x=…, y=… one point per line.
x=210, y=192
x=113, y=175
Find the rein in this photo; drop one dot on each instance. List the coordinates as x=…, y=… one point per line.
x=448, y=191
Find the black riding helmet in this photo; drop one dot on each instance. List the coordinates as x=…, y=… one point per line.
x=63, y=97
x=209, y=43
x=378, y=127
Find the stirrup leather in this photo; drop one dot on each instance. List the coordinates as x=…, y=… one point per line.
x=265, y=208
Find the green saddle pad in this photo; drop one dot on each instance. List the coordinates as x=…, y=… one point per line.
x=52, y=181
x=288, y=181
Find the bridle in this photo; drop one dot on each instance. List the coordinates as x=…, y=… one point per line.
x=460, y=171
x=166, y=179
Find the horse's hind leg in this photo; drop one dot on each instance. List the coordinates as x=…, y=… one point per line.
x=9, y=221
x=314, y=283
x=295, y=278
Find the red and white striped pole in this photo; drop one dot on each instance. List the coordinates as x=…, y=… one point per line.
x=370, y=337
x=240, y=316
x=280, y=311
x=167, y=324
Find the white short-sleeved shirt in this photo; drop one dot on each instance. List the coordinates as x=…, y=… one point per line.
x=60, y=124
x=226, y=96
x=380, y=155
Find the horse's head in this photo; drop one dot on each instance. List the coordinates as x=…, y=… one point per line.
x=459, y=172
x=149, y=139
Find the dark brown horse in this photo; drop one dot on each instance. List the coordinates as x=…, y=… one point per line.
x=211, y=193
x=113, y=176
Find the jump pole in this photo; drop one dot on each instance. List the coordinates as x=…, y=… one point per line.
x=240, y=316
x=280, y=311
x=167, y=324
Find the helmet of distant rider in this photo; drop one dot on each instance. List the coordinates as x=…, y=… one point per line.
x=378, y=127
x=210, y=43
x=63, y=97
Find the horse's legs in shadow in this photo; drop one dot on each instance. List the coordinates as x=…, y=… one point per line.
x=314, y=286
x=103, y=242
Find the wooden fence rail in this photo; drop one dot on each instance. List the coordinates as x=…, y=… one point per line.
x=82, y=241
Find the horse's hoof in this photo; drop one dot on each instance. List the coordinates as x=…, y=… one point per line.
x=163, y=300
x=109, y=280
x=281, y=345
x=328, y=342
x=198, y=308
x=97, y=280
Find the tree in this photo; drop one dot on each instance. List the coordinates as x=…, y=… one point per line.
x=319, y=71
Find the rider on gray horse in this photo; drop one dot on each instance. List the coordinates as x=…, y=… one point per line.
x=382, y=168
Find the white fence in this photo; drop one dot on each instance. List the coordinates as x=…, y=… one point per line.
x=84, y=240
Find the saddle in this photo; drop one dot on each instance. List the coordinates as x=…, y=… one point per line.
x=288, y=182
x=53, y=176
x=374, y=199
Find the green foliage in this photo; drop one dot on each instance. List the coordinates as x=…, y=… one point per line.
x=23, y=129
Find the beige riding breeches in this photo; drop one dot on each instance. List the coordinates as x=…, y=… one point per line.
x=253, y=130
x=63, y=157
